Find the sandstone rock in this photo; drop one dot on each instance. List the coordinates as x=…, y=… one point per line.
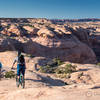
x=81, y=33
x=4, y=23
x=5, y=32
x=98, y=29
x=45, y=32
x=61, y=30
x=49, y=41
x=31, y=30
x=75, y=75
x=28, y=28
x=67, y=50
x=14, y=30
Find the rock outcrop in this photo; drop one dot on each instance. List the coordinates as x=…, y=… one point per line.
x=41, y=38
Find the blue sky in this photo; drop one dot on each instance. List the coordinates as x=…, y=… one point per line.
x=59, y=9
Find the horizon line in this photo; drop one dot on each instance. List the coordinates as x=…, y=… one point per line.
x=47, y=18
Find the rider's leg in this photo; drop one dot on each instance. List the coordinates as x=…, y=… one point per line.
x=23, y=71
x=18, y=71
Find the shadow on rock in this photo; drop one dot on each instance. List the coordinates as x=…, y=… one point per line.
x=48, y=81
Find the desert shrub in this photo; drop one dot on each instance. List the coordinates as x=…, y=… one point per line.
x=69, y=68
x=64, y=72
x=47, y=69
x=51, y=66
x=98, y=64
x=57, y=61
x=10, y=74
x=60, y=70
x=63, y=75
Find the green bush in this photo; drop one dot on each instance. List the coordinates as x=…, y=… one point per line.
x=47, y=69
x=10, y=74
x=69, y=68
x=64, y=72
x=57, y=61
x=60, y=70
x=98, y=64
x=63, y=75
x=51, y=66
x=54, y=67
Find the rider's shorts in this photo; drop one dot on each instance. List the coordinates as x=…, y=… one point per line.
x=20, y=68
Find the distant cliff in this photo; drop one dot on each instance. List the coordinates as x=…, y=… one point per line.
x=54, y=21
x=62, y=21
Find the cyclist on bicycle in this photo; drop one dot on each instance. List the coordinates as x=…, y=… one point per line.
x=20, y=64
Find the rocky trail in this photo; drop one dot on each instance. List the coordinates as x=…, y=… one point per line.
x=41, y=41
x=43, y=87
x=33, y=82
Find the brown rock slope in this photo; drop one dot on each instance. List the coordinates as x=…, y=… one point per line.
x=39, y=37
x=43, y=87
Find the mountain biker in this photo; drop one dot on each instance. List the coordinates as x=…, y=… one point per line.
x=20, y=64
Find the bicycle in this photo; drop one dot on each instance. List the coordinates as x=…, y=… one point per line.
x=20, y=81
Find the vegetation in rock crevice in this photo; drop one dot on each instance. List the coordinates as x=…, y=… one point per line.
x=56, y=68
x=10, y=74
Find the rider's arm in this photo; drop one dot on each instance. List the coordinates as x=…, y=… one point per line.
x=14, y=62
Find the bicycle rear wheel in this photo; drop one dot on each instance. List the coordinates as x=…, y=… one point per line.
x=22, y=81
x=17, y=81
x=23, y=84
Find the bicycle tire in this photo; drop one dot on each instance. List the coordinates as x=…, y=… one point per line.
x=22, y=81
x=17, y=81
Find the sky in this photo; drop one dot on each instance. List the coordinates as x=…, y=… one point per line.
x=51, y=9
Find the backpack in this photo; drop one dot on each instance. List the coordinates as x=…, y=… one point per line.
x=21, y=60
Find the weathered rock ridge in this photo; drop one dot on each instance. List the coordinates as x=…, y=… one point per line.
x=41, y=38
